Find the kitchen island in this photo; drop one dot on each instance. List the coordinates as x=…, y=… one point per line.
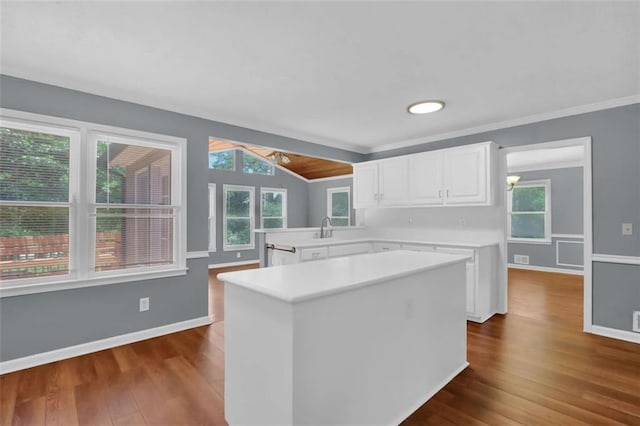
x=354, y=340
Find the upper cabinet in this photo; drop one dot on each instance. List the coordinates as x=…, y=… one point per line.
x=466, y=175
x=382, y=183
x=454, y=176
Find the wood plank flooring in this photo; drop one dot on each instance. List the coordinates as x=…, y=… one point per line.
x=533, y=366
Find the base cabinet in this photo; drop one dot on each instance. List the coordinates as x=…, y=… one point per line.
x=481, y=280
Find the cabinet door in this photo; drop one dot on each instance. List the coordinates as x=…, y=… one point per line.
x=465, y=175
x=393, y=189
x=425, y=179
x=365, y=185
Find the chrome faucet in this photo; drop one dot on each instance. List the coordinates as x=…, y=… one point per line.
x=328, y=232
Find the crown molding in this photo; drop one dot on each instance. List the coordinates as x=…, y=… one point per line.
x=567, y=112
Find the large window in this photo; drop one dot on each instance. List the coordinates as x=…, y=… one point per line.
x=67, y=223
x=222, y=160
x=273, y=208
x=530, y=212
x=339, y=206
x=37, y=186
x=239, y=217
x=254, y=165
x=212, y=217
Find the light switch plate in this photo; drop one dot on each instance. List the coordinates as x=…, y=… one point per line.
x=627, y=229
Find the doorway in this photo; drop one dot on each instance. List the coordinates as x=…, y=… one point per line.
x=552, y=173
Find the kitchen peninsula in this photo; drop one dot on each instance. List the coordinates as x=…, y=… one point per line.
x=353, y=340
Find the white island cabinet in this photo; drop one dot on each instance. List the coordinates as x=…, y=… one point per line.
x=351, y=340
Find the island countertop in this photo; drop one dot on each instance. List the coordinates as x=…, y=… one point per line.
x=309, y=280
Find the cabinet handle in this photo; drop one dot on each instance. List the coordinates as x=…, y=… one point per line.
x=375, y=196
x=381, y=196
x=447, y=193
x=439, y=193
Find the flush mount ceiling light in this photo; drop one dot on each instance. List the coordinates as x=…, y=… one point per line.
x=279, y=157
x=425, y=107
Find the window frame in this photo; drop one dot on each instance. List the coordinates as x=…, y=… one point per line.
x=285, y=212
x=252, y=217
x=81, y=197
x=330, y=192
x=546, y=184
x=233, y=159
x=212, y=217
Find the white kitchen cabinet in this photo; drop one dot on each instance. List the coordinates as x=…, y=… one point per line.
x=383, y=183
x=349, y=249
x=365, y=185
x=315, y=253
x=381, y=246
x=467, y=175
x=425, y=179
x=460, y=176
x=481, y=277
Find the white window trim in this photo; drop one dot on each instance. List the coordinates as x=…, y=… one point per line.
x=284, y=206
x=331, y=191
x=82, y=192
x=546, y=183
x=212, y=217
x=233, y=161
x=252, y=217
x=273, y=168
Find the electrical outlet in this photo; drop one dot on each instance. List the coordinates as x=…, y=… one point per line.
x=462, y=222
x=410, y=221
x=636, y=321
x=521, y=259
x=627, y=229
x=238, y=255
x=144, y=304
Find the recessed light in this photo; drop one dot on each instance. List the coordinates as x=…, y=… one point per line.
x=425, y=107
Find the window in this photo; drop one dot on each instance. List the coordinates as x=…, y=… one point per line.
x=254, y=165
x=339, y=206
x=273, y=208
x=239, y=219
x=212, y=217
x=37, y=186
x=66, y=224
x=530, y=212
x=222, y=160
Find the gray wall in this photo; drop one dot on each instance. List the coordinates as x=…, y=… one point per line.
x=297, y=204
x=566, y=218
x=37, y=323
x=318, y=199
x=615, y=135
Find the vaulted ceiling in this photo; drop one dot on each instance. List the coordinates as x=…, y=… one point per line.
x=335, y=73
x=305, y=166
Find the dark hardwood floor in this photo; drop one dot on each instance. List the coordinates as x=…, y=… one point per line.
x=533, y=366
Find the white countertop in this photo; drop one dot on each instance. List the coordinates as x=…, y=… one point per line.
x=318, y=242
x=309, y=280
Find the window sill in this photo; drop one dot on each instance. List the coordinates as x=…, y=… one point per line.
x=239, y=248
x=18, y=289
x=527, y=241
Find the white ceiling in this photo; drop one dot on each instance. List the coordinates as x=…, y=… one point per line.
x=340, y=74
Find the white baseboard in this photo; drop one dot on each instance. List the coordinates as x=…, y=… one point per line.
x=430, y=394
x=545, y=269
x=628, y=336
x=98, y=345
x=228, y=264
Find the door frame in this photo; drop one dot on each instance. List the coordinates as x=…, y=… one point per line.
x=587, y=212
